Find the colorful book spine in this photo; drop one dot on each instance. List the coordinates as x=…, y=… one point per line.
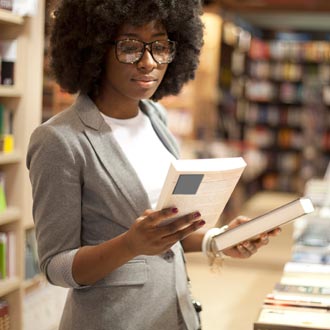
x=3, y=256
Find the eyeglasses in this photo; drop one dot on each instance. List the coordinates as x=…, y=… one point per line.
x=130, y=51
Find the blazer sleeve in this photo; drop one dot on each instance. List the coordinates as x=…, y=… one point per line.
x=56, y=187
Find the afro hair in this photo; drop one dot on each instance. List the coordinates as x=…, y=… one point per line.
x=82, y=30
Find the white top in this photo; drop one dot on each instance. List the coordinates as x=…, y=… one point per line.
x=143, y=148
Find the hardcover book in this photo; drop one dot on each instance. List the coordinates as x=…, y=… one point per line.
x=264, y=223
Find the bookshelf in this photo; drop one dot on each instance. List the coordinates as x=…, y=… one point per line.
x=275, y=100
x=23, y=98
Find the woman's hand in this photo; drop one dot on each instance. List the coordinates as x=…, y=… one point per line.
x=150, y=237
x=247, y=248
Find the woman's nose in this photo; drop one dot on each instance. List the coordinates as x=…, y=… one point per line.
x=147, y=62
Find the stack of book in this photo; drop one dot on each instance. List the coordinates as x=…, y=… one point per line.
x=301, y=299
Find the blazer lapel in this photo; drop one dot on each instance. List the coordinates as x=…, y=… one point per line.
x=149, y=108
x=111, y=155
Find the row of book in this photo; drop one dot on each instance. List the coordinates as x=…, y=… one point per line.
x=286, y=71
x=4, y=315
x=273, y=115
x=297, y=51
x=8, y=255
x=285, y=92
x=301, y=299
x=283, y=138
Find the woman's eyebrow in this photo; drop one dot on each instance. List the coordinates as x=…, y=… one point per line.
x=135, y=35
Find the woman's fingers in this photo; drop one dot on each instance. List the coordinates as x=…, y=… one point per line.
x=180, y=234
x=166, y=222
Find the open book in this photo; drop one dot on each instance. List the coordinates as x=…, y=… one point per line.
x=264, y=223
x=203, y=185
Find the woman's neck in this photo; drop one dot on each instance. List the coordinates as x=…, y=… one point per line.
x=116, y=109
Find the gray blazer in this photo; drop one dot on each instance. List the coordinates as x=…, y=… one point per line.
x=85, y=192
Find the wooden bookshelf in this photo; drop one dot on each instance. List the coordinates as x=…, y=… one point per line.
x=8, y=18
x=10, y=158
x=24, y=98
x=9, y=285
x=11, y=214
x=9, y=91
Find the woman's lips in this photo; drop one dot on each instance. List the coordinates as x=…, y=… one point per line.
x=145, y=82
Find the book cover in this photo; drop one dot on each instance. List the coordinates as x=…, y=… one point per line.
x=264, y=223
x=203, y=185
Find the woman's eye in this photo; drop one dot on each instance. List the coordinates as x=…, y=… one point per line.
x=129, y=49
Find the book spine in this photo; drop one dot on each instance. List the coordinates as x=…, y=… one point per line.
x=3, y=256
x=269, y=326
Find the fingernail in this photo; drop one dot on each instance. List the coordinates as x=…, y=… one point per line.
x=175, y=210
x=197, y=214
x=201, y=223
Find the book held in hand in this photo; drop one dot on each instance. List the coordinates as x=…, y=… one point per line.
x=264, y=223
x=203, y=185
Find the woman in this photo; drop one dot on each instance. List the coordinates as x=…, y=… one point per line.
x=97, y=168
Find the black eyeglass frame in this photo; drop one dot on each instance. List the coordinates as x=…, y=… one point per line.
x=146, y=46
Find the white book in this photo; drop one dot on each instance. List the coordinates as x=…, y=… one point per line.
x=203, y=185
x=295, y=318
x=264, y=223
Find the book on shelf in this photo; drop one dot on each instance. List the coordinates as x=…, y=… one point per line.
x=8, y=55
x=6, y=129
x=264, y=223
x=11, y=254
x=292, y=318
x=3, y=199
x=3, y=256
x=7, y=254
x=4, y=315
x=203, y=185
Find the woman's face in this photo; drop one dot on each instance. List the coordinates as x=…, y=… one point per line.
x=128, y=82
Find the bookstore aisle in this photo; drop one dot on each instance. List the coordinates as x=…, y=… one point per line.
x=232, y=298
